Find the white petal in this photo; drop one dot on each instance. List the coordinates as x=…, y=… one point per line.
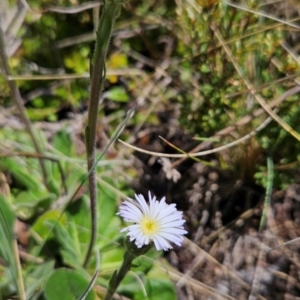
x=162, y=242
x=175, y=239
x=129, y=207
x=169, y=222
x=172, y=222
x=141, y=200
x=174, y=231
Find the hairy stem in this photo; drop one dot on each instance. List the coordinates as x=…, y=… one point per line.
x=119, y=276
x=109, y=14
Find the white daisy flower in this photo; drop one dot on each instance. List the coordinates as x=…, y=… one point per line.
x=156, y=222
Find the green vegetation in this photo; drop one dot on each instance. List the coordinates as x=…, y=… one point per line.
x=202, y=66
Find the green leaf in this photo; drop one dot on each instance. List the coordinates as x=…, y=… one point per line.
x=112, y=259
x=53, y=186
x=157, y=289
x=205, y=69
x=63, y=142
x=67, y=284
x=106, y=211
x=21, y=173
x=40, y=226
x=89, y=287
x=7, y=218
x=131, y=287
x=79, y=225
x=70, y=252
x=36, y=280
x=39, y=114
x=29, y=204
x=117, y=94
x=26, y=199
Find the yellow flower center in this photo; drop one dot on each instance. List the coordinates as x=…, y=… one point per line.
x=149, y=226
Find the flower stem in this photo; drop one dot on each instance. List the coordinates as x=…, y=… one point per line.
x=118, y=276
x=109, y=14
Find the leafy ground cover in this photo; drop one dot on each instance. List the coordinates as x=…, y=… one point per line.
x=214, y=78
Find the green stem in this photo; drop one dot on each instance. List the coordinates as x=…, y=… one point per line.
x=131, y=253
x=109, y=14
x=118, y=276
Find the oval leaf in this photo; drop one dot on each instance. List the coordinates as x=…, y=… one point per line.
x=68, y=285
